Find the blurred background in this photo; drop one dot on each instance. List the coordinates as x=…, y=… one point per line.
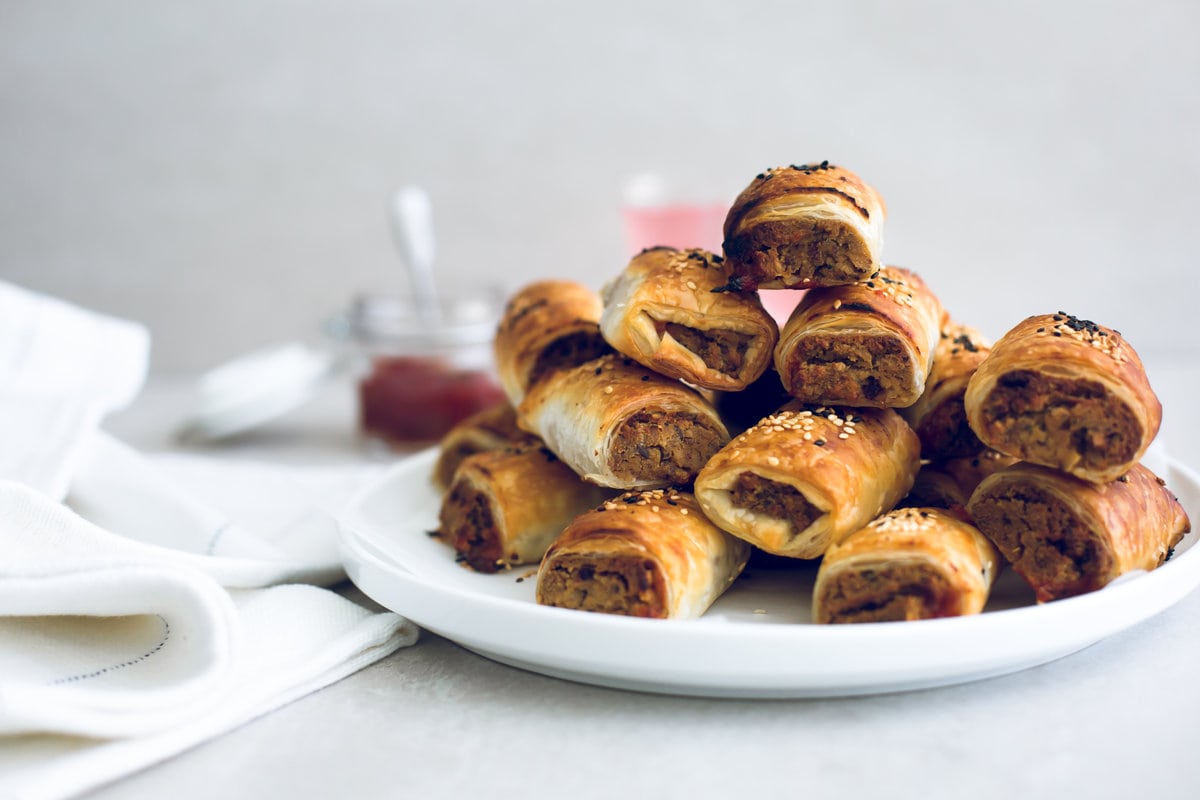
x=220, y=170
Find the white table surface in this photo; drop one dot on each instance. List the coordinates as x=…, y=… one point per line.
x=1120, y=718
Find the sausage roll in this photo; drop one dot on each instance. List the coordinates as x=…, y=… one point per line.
x=663, y=313
x=505, y=507
x=949, y=484
x=799, y=226
x=867, y=344
x=490, y=429
x=806, y=476
x=934, y=488
x=644, y=554
x=1066, y=536
x=546, y=326
x=912, y=563
x=938, y=416
x=1065, y=393
x=619, y=424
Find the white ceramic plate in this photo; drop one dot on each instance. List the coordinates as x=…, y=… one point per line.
x=756, y=641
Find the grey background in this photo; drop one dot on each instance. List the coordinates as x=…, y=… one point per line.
x=219, y=170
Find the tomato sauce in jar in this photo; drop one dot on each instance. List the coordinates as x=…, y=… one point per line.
x=410, y=399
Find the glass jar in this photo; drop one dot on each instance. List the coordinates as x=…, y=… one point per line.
x=419, y=371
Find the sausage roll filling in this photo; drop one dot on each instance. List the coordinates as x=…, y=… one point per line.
x=1052, y=420
x=764, y=497
x=1044, y=539
x=867, y=365
x=469, y=527
x=620, y=584
x=721, y=350
x=888, y=593
x=664, y=447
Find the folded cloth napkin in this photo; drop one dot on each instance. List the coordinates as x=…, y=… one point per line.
x=147, y=604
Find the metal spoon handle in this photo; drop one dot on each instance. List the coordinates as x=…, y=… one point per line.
x=411, y=219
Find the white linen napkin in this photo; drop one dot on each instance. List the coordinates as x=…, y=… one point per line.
x=147, y=604
x=62, y=369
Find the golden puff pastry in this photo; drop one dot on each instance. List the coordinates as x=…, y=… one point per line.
x=911, y=563
x=489, y=429
x=662, y=312
x=619, y=424
x=644, y=554
x=1065, y=393
x=871, y=343
x=800, y=226
x=547, y=325
x=938, y=416
x=806, y=476
x=504, y=507
x=1066, y=536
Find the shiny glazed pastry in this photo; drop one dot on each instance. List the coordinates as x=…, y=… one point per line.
x=505, y=507
x=619, y=424
x=1067, y=536
x=867, y=344
x=1065, y=393
x=938, y=416
x=643, y=554
x=490, y=429
x=663, y=313
x=911, y=563
x=806, y=476
x=547, y=325
x=800, y=226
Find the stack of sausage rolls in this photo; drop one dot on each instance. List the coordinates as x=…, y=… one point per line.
x=875, y=434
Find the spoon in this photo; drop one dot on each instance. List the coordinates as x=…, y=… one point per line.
x=411, y=221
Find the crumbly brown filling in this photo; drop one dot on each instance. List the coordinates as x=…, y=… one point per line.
x=667, y=448
x=609, y=584
x=1060, y=422
x=802, y=252
x=467, y=524
x=568, y=351
x=773, y=499
x=721, y=350
x=1046, y=543
x=850, y=369
x=945, y=433
x=886, y=594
